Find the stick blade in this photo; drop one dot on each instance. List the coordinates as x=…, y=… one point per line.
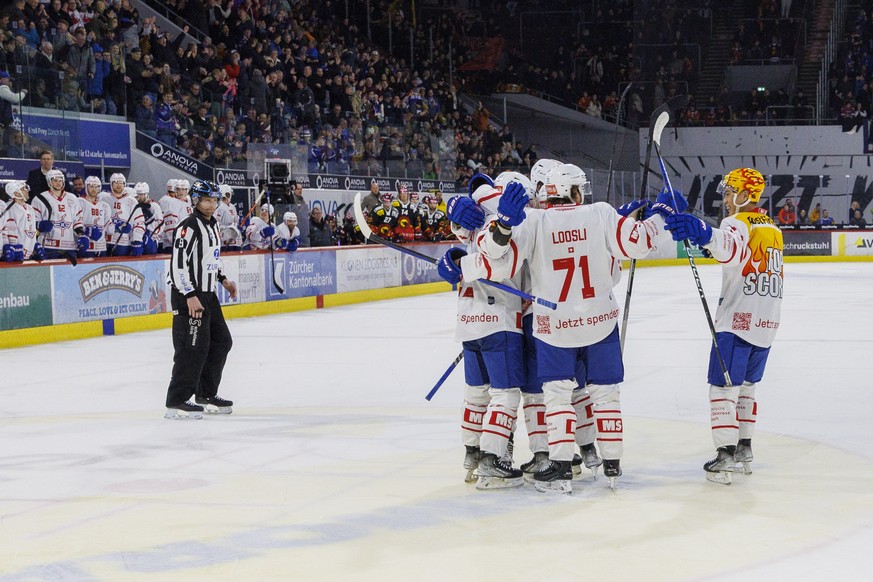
x=361, y=219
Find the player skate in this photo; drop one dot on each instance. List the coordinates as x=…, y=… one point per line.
x=215, y=405
x=590, y=458
x=494, y=473
x=184, y=411
x=471, y=462
x=539, y=462
x=719, y=469
x=556, y=478
x=576, y=465
x=744, y=455
x=612, y=469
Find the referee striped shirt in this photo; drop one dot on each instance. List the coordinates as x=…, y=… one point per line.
x=196, y=262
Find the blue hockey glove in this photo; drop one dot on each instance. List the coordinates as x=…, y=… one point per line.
x=631, y=207
x=464, y=211
x=268, y=231
x=82, y=243
x=688, y=227
x=665, y=205
x=123, y=227
x=291, y=245
x=44, y=226
x=93, y=232
x=149, y=245
x=38, y=252
x=448, y=268
x=510, y=209
x=136, y=248
x=8, y=253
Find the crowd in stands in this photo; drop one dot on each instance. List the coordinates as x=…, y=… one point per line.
x=790, y=215
x=850, y=78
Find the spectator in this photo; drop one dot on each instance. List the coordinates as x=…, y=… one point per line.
x=165, y=121
x=144, y=117
x=855, y=205
x=36, y=180
x=7, y=99
x=78, y=59
x=78, y=185
x=480, y=117
x=372, y=199
x=802, y=217
x=825, y=219
x=815, y=214
x=320, y=234
x=858, y=219
x=788, y=214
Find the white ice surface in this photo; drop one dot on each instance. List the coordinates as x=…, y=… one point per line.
x=333, y=466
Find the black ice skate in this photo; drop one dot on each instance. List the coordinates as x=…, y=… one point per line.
x=184, y=411
x=494, y=473
x=612, y=469
x=590, y=458
x=215, y=405
x=471, y=461
x=539, y=462
x=744, y=455
x=556, y=478
x=719, y=469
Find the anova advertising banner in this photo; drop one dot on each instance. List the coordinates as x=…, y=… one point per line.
x=97, y=291
x=25, y=297
x=367, y=267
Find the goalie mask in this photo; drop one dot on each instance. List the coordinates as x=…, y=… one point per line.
x=563, y=183
x=743, y=179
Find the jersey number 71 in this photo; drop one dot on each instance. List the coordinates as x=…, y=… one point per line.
x=567, y=265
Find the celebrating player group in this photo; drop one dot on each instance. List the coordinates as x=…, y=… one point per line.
x=543, y=235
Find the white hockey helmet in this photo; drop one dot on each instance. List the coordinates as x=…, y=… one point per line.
x=226, y=191
x=117, y=177
x=560, y=183
x=506, y=178
x=141, y=189
x=93, y=180
x=128, y=191
x=171, y=185
x=183, y=184
x=289, y=216
x=540, y=171
x=268, y=208
x=54, y=175
x=17, y=189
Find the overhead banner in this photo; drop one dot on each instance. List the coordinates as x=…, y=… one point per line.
x=94, y=141
x=25, y=297
x=95, y=291
x=362, y=183
x=175, y=158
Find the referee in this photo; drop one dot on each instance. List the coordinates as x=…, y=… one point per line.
x=200, y=335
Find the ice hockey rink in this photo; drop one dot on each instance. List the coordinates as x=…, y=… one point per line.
x=333, y=466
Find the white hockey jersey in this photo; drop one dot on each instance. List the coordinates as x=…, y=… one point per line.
x=226, y=215
x=253, y=234
x=174, y=211
x=123, y=209
x=749, y=247
x=19, y=227
x=154, y=220
x=96, y=214
x=284, y=233
x=66, y=216
x=571, y=252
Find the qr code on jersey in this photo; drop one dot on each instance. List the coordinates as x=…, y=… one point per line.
x=742, y=321
x=544, y=324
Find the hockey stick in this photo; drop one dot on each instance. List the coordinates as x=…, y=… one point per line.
x=370, y=236
x=663, y=114
x=445, y=375
x=662, y=122
x=276, y=282
x=615, y=139
x=126, y=223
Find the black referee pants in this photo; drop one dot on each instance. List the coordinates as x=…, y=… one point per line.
x=201, y=348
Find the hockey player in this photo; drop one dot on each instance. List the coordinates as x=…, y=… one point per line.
x=183, y=188
x=260, y=233
x=383, y=219
x=95, y=218
x=153, y=218
x=59, y=218
x=288, y=235
x=228, y=219
x=407, y=229
x=174, y=209
x=434, y=223
x=749, y=247
x=127, y=229
x=18, y=228
x=488, y=327
x=569, y=249
x=539, y=172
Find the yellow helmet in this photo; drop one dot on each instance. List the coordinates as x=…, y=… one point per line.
x=744, y=179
